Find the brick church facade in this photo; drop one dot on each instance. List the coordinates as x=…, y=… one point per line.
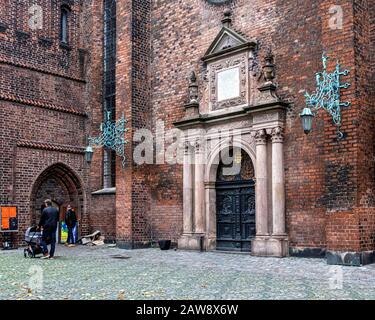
x=165, y=66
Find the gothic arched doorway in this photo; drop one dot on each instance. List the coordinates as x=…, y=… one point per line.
x=60, y=184
x=235, y=201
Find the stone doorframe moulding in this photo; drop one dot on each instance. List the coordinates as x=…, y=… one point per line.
x=244, y=142
x=261, y=137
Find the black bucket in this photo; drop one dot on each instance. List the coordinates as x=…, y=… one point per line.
x=165, y=244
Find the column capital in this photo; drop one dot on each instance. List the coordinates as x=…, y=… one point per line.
x=187, y=147
x=199, y=145
x=277, y=135
x=260, y=136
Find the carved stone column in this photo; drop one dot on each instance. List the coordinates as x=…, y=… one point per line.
x=188, y=189
x=199, y=191
x=261, y=192
x=277, y=244
x=194, y=193
x=259, y=246
x=264, y=244
x=210, y=215
x=278, y=183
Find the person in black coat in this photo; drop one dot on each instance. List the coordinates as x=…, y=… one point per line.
x=48, y=226
x=70, y=221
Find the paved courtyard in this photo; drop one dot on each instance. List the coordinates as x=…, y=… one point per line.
x=112, y=273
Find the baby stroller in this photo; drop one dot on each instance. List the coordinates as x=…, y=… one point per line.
x=33, y=238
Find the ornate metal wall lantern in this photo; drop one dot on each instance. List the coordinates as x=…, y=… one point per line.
x=89, y=152
x=112, y=136
x=326, y=96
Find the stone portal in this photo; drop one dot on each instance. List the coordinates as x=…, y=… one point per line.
x=235, y=112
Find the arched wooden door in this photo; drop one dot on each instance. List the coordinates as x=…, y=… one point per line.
x=235, y=203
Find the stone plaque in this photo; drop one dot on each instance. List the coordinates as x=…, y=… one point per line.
x=228, y=84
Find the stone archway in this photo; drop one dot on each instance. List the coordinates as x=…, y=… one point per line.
x=265, y=149
x=211, y=179
x=59, y=183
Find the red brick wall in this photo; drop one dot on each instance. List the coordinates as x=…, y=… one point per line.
x=182, y=32
x=124, y=91
x=322, y=177
x=365, y=60
x=355, y=229
x=141, y=114
x=43, y=96
x=46, y=89
x=133, y=98
x=103, y=216
x=101, y=208
x=342, y=232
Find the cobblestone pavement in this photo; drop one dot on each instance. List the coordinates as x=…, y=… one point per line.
x=112, y=273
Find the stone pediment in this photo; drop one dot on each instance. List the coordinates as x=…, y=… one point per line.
x=227, y=41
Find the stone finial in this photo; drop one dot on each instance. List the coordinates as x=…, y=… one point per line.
x=193, y=88
x=192, y=106
x=268, y=88
x=227, y=20
x=269, y=67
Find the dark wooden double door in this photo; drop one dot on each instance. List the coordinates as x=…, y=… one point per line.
x=235, y=210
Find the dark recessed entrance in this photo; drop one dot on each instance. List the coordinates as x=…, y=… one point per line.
x=235, y=204
x=60, y=184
